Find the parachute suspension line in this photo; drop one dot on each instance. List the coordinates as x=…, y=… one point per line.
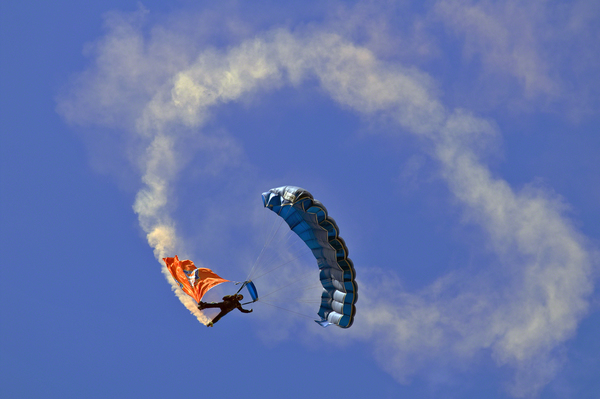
x=287, y=310
x=306, y=289
x=276, y=267
x=290, y=241
x=271, y=235
x=269, y=260
x=296, y=251
x=303, y=276
x=311, y=287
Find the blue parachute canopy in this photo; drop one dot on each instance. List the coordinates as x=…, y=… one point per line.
x=252, y=290
x=308, y=218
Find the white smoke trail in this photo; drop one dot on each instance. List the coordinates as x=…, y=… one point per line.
x=150, y=205
x=544, y=262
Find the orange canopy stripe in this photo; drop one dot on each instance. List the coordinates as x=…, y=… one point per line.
x=202, y=280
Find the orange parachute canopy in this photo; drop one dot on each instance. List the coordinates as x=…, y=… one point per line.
x=193, y=281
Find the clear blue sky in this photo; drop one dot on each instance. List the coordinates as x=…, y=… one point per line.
x=454, y=142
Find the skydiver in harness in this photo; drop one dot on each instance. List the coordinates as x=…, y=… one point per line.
x=229, y=303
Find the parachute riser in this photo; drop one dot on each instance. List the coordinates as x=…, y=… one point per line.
x=251, y=290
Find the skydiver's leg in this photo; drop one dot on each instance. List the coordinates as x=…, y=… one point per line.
x=207, y=305
x=218, y=317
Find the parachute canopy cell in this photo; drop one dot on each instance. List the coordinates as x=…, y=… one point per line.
x=308, y=218
x=193, y=281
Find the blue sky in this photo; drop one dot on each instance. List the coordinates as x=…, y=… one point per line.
x=454, y=142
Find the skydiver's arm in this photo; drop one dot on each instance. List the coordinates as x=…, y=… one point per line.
x=244, y=310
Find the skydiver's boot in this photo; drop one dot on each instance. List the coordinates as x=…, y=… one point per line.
x=210, y=324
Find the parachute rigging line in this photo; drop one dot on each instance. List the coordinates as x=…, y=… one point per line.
x=271, y=235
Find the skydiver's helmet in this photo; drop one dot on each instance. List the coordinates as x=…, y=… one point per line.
x=239, y=297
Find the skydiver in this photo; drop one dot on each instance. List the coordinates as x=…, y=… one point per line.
x=229, y=303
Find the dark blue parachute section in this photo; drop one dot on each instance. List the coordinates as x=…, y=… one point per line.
x=252, y=290
x=308, y=218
